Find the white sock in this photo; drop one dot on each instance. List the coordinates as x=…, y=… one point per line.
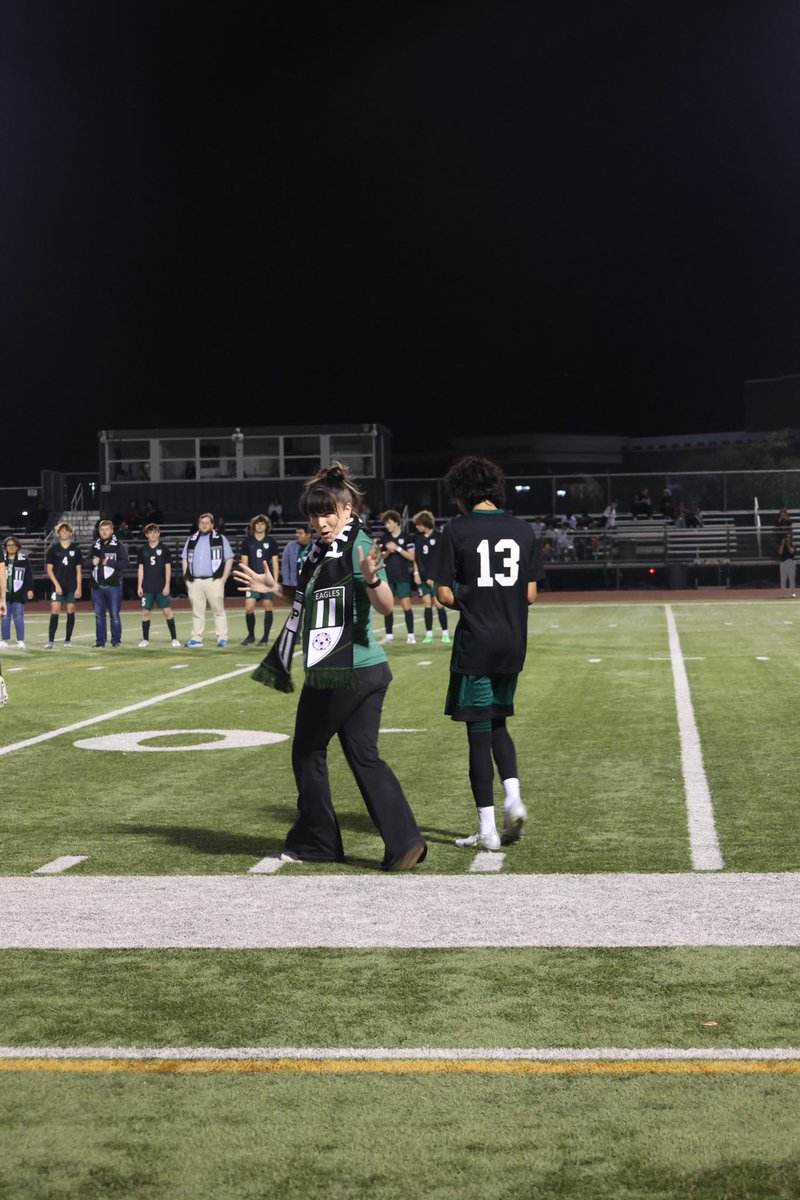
x=486, y=817
x=512, y=793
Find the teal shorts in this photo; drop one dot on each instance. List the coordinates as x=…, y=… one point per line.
x=256, y=596
x=480, y=697
x=401, y=590
x=157, y=598
x=425, y=589
x=64, y=598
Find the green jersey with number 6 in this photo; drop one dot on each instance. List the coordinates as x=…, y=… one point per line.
x=488, y=558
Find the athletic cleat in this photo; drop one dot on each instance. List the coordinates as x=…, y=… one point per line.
x=49, y=645
x=222, y=642
x=143, y=645
x=387, y=637
x=248, y=641
x=193, y=643
x=411, y=640
x=67, y=645
x=515, y=818
x=176, y=643
x=20, y=645
x=3, y=692
x=426, y=641
x=289, y=857
x=445, y=638
x=480, y=841
x=264, y=642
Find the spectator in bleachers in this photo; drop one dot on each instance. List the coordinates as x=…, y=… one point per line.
x=667, y=506
x=610, y=514
x=694, y=518
x=642, y=505
x=275, y=511
x=538, y=527
x=133, y=516
x=680, y=516
x=152, y=513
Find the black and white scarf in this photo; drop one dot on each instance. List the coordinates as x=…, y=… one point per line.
x=217, y=553
x=328, y=572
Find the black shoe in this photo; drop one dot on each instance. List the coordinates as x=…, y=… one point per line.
x=99, y=646
x=264, y=642
x=248, y=641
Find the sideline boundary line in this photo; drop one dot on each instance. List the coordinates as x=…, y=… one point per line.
x=121, y=712
x=407, y=1053
x=703, y=841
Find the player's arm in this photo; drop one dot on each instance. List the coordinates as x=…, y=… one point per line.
x=140, y=579
x=275, y=566
x=79, y=581
x=415, y=566
x=167, y=578
x=532, y=592
x=446, y=596
x=51, y=575
x=3, y=586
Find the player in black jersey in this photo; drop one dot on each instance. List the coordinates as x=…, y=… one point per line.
x=259, y=552
x=425, y=544
x=398, y=549
x=64, y=564
x=487, y=568
x=153, y=578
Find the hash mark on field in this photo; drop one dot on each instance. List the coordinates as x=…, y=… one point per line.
x=63, y=863
x=487, y=860
x=426, y=662
x=762, y=658
x=595, y=660
x=703, y=841
x=267, y=866
x=95, y=668
x=179, y=667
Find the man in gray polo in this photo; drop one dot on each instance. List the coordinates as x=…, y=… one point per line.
x=207, y=563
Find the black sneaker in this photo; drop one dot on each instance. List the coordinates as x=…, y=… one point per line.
x=264, y=642
x=248, y=641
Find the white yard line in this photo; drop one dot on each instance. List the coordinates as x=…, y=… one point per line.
x=703, y=841
x=320, y=910
x=118, y=712
x=421, y=1053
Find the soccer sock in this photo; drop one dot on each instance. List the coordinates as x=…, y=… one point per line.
x=504, y=751
x=442, y=617
x=267, y=625
x=429, y=620
x=146, y=630
x=250, y=622
x=70, y=626
x=389, y=622
x=481, y=771
x=51, y=637
x=487, y=821
x=409, y=620
x=171, y=627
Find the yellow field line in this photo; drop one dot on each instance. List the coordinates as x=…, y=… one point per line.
x=328, y=1066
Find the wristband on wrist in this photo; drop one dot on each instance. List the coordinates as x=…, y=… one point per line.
x=376, y=584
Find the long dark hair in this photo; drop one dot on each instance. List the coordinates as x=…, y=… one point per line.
x=329, y=490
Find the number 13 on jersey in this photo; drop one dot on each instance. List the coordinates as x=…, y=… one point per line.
x=510, y=552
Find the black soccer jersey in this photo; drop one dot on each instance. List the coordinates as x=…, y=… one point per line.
x=398, y=569
x=65, y=563
x=488, y=558
x=154, y=561
x=257, y=552
x=426, y=546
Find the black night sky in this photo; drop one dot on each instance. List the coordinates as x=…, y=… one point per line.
x=448, y=217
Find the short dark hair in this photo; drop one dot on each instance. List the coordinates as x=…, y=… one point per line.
x=473, y=479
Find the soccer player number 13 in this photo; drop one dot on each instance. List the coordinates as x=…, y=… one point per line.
x=509, y=576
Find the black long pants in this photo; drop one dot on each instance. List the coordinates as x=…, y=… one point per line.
x=356, y=717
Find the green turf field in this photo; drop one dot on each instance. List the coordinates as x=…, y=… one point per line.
x=600, y=764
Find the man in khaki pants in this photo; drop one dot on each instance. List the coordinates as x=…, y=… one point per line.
x=207, y=563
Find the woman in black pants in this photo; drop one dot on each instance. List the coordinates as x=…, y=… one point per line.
x=346, y=677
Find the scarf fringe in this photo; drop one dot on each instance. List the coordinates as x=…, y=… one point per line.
x=345, y=678
x=265, y=673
